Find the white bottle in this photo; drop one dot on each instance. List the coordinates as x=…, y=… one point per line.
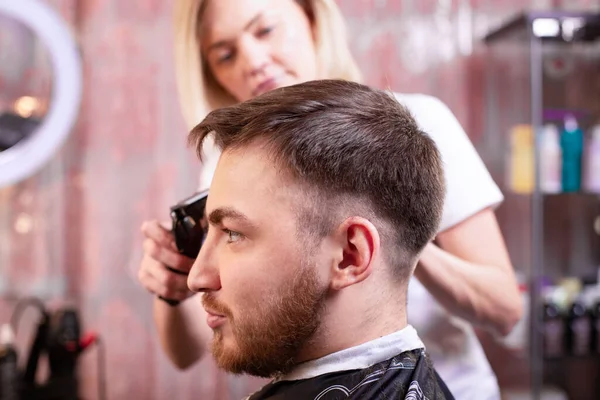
x=592, y=163
x=550, y=160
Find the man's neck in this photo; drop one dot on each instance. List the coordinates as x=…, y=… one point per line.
x=347, y=322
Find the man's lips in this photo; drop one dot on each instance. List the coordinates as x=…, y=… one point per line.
x=216, y=312
x=214, y=320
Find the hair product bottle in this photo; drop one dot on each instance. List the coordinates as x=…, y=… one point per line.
x=521, y=162
x=571, y=142
x=550, y=160
x=592, y=162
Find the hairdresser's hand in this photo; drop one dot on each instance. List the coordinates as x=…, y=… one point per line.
x=160, y=254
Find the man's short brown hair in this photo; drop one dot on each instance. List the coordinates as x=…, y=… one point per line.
x=352, y=147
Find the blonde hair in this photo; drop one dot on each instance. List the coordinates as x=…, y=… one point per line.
x=199, y=93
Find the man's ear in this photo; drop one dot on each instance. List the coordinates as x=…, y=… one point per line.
x=359, y=243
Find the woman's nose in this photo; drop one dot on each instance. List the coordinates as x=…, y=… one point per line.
x=254, y=56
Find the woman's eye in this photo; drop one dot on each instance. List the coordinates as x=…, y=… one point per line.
x=265, y=31
x=225, y=57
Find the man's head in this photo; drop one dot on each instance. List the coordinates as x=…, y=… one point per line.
x=325, y=194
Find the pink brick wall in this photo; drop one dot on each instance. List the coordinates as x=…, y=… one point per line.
x=127, y=161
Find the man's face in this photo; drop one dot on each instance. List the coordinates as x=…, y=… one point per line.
x=263, y=289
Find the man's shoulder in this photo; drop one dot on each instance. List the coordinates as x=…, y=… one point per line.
x=408, y=375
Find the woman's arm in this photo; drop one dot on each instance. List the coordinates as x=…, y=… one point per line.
x=471, y=275
x=182, y=330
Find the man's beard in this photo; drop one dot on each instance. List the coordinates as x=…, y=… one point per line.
x=268, y=339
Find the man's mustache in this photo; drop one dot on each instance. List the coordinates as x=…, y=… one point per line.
x=210, y=303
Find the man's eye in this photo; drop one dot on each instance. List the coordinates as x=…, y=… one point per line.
x=232, y=236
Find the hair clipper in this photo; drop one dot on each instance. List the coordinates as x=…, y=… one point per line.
x=189, y=228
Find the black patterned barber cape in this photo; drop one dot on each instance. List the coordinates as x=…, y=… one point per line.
x=408, y=375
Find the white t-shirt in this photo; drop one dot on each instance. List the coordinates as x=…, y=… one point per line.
x=450, y=341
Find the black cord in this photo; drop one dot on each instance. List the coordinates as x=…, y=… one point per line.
x=33, y=301
x=101, y=369
x=21, y=306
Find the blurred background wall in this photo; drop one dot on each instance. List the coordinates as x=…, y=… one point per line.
x=71, y=232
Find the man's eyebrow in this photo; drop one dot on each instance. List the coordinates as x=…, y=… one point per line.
x=223, y=43
x=217, y=216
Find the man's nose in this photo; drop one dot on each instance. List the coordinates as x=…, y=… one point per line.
x=204, y=275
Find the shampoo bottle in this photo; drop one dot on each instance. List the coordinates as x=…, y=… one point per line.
x=521, y=164
x=579, y=327
x=571, y=142
x=592, y=162
x=553, y=327
x=550, y=160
